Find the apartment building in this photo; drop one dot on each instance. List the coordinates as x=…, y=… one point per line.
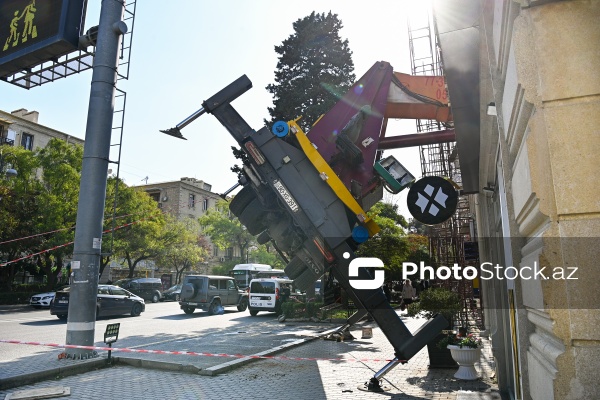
x=21, y=128
x=189, y=198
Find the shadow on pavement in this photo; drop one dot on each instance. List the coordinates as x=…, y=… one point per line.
x=443, y=381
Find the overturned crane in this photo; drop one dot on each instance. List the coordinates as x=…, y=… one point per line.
x=308, y=195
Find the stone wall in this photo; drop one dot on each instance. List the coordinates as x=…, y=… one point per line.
x=544, y=62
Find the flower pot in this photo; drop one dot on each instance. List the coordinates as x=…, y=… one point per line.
x=439, y=357
x=466, y=359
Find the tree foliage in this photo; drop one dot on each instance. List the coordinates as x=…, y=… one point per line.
x=315, y=68
x=389, y=211
x=264, y=255
x=391, y=244
x=134, y=226
x=224, y=229
x=57, y=201
x=39, y=210
x=144, y=237
x=189, y=248
x=18, y=216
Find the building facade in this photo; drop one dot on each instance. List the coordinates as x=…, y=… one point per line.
x=535, y=199
x=21, y=128
x=190, y=198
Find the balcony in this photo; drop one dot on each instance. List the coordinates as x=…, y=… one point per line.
x=3, y=141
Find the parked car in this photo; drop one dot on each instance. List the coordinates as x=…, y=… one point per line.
x=172, y=293
x=210, y=293
x=42, y=300
x=111, y=300
x=146, y=288
x=267, y=294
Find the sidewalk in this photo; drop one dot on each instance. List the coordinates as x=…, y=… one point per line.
x=337, y=371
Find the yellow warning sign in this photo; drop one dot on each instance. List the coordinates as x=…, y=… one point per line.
x=24, y=19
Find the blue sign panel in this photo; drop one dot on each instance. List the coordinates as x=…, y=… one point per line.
x=32, y=32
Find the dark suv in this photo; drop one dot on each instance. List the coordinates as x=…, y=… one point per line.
x=211, y=293
x=146, y=288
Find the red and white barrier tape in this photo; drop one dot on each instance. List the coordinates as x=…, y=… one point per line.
x=191, y=353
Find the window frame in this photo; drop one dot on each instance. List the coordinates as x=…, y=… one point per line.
x=27, y=141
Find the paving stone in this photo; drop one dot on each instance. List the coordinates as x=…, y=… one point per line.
x=340, y=368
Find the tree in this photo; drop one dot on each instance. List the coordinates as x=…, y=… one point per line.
x=61, y=164
x=391, y=245
x=143, y=234
x=314, y=69
x=263, y=255
x=188, y=248
x=418, y=250
x=390, y=211
x=129, y=211
x=18, y=213
x=224, y=229
x=39, y=207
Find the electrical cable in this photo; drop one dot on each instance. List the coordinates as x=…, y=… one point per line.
x=66, y=244
x=57, y=230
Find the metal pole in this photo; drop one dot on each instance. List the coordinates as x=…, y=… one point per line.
x=92, y=193
x=190, y=119
x=387, y=368
x=417, y=139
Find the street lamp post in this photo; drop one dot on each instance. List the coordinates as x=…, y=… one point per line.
x=92, y=193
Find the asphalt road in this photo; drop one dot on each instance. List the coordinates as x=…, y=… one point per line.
x=161, y=323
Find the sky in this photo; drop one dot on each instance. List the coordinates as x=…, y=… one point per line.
x=184, y=51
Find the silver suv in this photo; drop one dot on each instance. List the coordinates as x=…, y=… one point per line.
x=211, y=293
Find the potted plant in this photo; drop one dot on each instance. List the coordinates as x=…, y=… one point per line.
x=466, y=351
x=437, y=301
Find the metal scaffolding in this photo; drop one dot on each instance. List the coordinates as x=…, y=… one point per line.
x=447, y=241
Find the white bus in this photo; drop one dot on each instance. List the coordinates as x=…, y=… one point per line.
x=244, y=273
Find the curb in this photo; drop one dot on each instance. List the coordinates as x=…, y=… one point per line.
x=217, y=369
x=161, y=365
x=211, y=371
x=228, y=366
x=67, y=370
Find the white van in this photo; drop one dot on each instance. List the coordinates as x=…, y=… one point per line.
x=267, y=294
